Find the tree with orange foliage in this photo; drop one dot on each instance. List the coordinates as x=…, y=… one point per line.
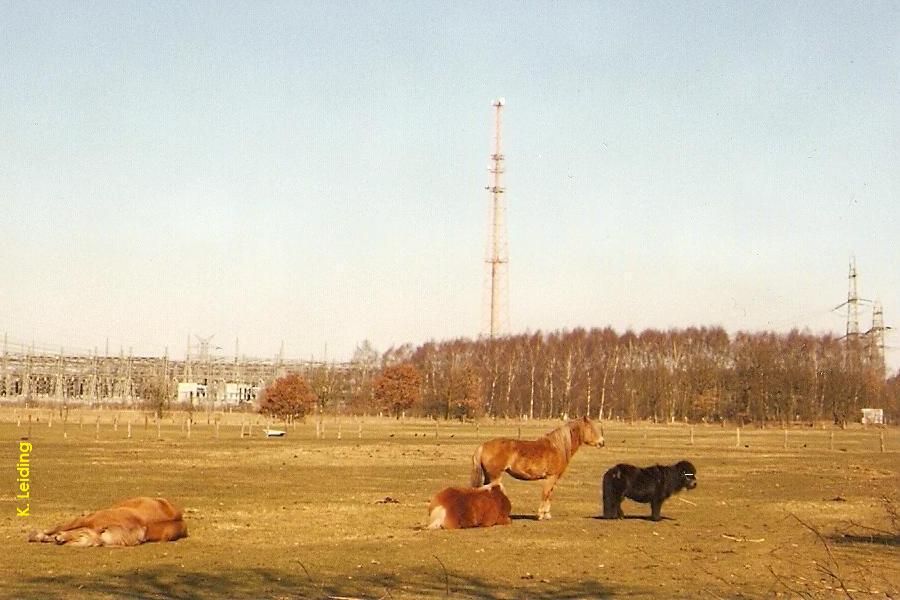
x=398, y=388
x=288, y=396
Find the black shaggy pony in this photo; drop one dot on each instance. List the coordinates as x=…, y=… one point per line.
x=651, y=484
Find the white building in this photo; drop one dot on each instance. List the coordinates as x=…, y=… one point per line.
x=239, y=393
x=190, y=392
x=873, y=416
x=233, y=394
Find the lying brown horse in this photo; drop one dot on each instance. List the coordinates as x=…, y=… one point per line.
x=128, y=523
x=544, y=458
x=459, y=507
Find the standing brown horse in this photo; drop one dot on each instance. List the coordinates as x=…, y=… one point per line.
x=544, y=458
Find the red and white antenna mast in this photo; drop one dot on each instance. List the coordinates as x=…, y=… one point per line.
x=497, y=260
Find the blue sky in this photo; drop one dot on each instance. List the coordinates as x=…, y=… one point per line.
x=315, y=172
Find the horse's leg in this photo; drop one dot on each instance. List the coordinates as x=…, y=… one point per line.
x=544, y=510
x=50, y=535
x=79, y=536
x=655, y=507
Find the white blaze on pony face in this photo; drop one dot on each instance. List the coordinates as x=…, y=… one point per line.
x=589, y=433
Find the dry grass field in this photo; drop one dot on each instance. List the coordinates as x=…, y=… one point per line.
x=301, y=517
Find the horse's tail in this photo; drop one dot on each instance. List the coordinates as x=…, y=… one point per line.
x=478, y=477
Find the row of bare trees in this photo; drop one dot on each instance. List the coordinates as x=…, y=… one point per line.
x=691, y=374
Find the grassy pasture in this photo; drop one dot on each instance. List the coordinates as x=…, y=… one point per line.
x=301, y=517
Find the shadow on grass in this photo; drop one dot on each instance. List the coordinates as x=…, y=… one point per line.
x=632, y=518
x=523, y=517
x=881, y=539
x=172, y=582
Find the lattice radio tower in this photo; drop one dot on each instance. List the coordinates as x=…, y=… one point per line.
x=497, y=261
x=852, y=303
x=852, y=337
x=875, y=336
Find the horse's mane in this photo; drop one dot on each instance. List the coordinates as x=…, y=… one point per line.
x=561, y=438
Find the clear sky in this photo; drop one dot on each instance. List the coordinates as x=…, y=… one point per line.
x=314, y=172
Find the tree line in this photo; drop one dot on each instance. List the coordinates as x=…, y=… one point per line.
x=693, y=374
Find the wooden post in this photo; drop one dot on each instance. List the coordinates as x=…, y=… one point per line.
x=831, y=440
x=29, y=425
x=189, y=428
x=129, y=429
x=18, y=419
x=435, y=429
x=881, y=440
x=242, y=428
x=97, y=432
x=359, y=430
x=116, y=422
x=145, y=423
x=737, y=443
x=50, y=419
x=340, y=425
x=692, y=435
x=785, y=438
x=519, y=437
x=158, y=428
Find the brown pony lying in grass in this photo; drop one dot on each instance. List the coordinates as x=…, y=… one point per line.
x=128, y=523
x=460, y=507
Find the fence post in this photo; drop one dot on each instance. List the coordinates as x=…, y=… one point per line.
x=692, y=435
x=785, y=438
x=359, y=430
x=129, y=429
x=50, y=419
x=737, y=443
x=831, y=440
x=158, y=428
x=29, y=425
x=435, y=428
x=97, y=432
x=881, y=440
x=189, y=428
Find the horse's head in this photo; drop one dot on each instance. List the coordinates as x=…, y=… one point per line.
x=589, y=433
x=688, y=474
